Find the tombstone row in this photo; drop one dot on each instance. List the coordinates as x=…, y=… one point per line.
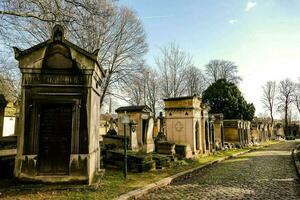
x=186, y=124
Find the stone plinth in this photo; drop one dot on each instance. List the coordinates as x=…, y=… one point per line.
x=184, y=151
x=116, y=141
x=137, y=162
x=165, y=147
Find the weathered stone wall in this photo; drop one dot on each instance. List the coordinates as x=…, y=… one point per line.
x=231, y=134
x=181, y=116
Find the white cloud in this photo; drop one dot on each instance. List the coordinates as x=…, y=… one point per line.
x=250, y=5
x=232, y=21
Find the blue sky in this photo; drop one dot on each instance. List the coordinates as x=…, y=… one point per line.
x=261, y=36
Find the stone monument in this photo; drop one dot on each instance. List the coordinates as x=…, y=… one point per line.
x=59, y=114
x=183, y=122
x=142, y=116
x=149, y=144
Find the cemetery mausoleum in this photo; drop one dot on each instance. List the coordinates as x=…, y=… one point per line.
x=59, y=113
x=183, y=122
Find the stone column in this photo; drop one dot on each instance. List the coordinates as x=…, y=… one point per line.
x=3, y=103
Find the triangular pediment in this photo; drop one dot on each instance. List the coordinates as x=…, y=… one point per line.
x=57, y=53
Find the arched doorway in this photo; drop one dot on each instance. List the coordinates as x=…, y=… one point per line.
x=222, y=136
x=212, y=136
x=206, y=136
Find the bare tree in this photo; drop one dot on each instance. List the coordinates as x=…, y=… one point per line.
x=133, y=89
x=9, y=79
x=153, y=90
x=286, y=91
x=222, y=69
x=195, y=81
x=269, y=97
x=297, y=97
x=91, y=24
x=172, y=65
x=143, y=88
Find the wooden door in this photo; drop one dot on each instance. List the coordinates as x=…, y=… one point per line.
x=55, y=138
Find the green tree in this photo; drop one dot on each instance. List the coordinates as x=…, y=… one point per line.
x=225, y=97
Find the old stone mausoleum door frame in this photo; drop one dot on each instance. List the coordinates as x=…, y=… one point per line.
x=59, y=116
x=57, y=132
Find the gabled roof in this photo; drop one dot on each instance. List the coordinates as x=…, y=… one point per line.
x=143, y=108
x=58, y=35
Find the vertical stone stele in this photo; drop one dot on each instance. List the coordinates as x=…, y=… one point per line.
x=59, y=112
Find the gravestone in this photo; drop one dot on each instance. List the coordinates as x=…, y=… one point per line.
x=60, y=111
x=133, y=137
x=148, y=146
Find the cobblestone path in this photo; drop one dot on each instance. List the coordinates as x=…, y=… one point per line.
x=263, y=174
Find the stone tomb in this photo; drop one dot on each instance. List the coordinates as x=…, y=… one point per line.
x=218, y=129
x=237, y=132
x=233, y=132
x=59, y=114
x=254, y=133
x=183, y=122
x=142, y=116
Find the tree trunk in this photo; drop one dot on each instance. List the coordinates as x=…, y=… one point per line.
x=286, y=121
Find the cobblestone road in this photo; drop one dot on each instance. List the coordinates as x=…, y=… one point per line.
x=263, y=174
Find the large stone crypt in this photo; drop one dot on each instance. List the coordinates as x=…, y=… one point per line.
x=58, y=138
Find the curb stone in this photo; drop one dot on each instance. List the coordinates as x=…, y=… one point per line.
x=296, y=161
x=134, y=194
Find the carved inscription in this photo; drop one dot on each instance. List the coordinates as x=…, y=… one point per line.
x=176, y=104
x=57, y=79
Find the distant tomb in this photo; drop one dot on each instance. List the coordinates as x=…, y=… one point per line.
x=142, y=116
x=236, y=132
x=183, y=123
x=59, y=114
